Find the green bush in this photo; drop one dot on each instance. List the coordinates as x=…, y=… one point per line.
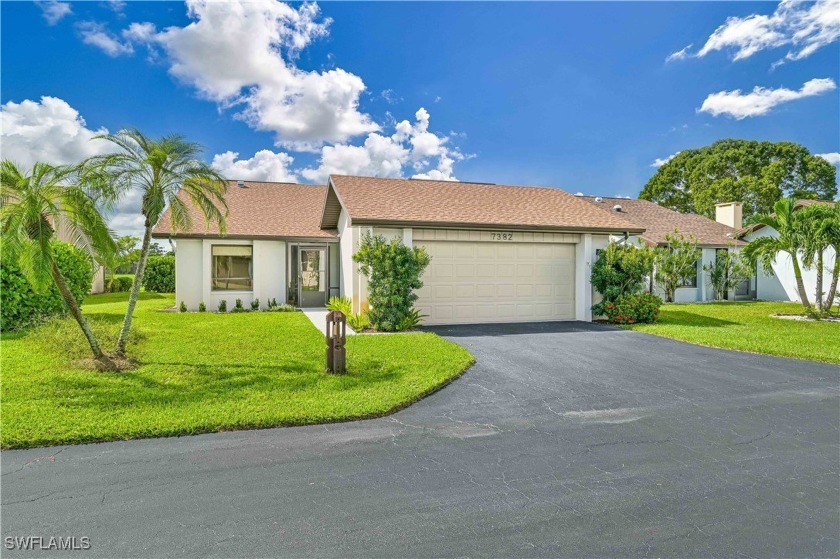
x=159, y=276
x=238, y=307
x=342, y=304
x=183, y=307
x=202, y=307
x=255, y=304
x=411, y=321
x=633, y=308
x=358, y=321
x=620, y=269
x=21, y=306
x=281, y=308
x=393, y=271
x=223, y=305
x=120, y=284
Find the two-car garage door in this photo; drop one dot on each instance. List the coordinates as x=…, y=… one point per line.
x=470, y=282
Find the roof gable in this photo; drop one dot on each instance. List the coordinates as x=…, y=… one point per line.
x=371, y=201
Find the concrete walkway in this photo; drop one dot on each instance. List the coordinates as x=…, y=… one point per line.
x=318, y=317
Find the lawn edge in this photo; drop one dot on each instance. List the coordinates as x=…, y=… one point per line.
x=252, y=427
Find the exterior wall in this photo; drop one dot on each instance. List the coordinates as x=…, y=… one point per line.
x=98, y=285
x=193, y=273
x=781, y=285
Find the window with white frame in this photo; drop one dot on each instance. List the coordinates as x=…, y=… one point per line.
x=233, y=268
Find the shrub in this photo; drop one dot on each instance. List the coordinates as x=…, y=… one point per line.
x=393, y=271
x=238, y=307
x=202, y=307
x=120, y=284
x=159, y=276
x=676, y=263
x=633, y=308
x=271, y=303
x=282, y=308
x=21, y=306
x=620, y=269
x=223, y=305
x=342, y=304
x=358, y=321
x=183, y=307
x=411, y=321
x=727, y=272
x=255, y=305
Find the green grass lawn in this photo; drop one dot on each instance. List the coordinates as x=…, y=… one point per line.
x=205, y=372
x=749, y=326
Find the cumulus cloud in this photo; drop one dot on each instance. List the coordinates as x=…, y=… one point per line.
x=833, y=158
x=265, y=165
x=658, y=162
x=97, y=35
x=679, y=55
x=54, y=11
x=804, y=27
x=241, y=55
x=411, y=145
x=761, y=100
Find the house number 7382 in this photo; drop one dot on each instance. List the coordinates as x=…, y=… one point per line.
x=501, y=236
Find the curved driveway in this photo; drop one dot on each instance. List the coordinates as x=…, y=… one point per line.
x=564, y=439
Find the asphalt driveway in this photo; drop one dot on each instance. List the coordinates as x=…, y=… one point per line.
x=564, y=439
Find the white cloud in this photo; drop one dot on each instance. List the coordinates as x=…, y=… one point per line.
x=54, y=11
x=678, y=55
x=97, y=35
x=660, y=162
x=241, y=54
x=761, y=100
x=50, y=131
x=386, y=156
x=803, y=26
x=833, y=158
x=265, y=165
x=140, y=32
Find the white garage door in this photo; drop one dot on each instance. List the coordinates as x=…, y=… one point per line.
x=469, y=282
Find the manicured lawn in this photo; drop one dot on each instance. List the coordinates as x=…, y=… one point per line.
x=749, y=326
x=205, y=372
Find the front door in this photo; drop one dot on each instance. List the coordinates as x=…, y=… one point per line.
x=312, y=276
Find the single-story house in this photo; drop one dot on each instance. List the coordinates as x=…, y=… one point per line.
x=781, y=284
x=499, y=253
x=712, y=236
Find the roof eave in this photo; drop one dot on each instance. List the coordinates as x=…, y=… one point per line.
x=490, y=226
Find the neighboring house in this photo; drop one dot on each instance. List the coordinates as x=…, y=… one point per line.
x=712, y=236
x=781, y=284
x=499, y=253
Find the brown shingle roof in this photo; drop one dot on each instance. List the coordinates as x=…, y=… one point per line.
x=799, y=204
x=261, y=209
x=425, y=202
x=659, y=221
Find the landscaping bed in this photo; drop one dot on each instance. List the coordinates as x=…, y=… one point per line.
x=205, y=372
x=748, y=326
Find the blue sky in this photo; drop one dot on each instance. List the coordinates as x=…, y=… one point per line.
x=574, y=95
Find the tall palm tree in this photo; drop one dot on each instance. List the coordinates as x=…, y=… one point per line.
x=790, y=240
x=158, y=169
x=33, y=207
x=829, y=230
x=819, y=229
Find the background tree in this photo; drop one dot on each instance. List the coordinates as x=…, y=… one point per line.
x=127, y=254
x=819, y=227
x=764, y=250
x=727, y=272
x=33, y=207
x=755, y=173
x=676, y=263
x=159, y=169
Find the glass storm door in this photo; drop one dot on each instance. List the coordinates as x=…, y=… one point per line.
x=312, y=277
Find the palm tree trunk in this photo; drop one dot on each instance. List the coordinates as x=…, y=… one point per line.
x=135, y=291
x=819, y=294
x=800, y=285
x=76, y=311
x=832, y=291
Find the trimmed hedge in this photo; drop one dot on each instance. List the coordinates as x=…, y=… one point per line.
x=20, y=306
x=120, y=285
x=633, y=308
x=159, y=276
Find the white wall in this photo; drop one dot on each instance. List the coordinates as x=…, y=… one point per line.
x=193, y=273
x=781, y=285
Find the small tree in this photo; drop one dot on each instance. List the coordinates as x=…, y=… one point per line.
x=727, y=272
x=621, y=269
x=820, y=231
x=393, y=271
x=127, y=254
x=676, y=263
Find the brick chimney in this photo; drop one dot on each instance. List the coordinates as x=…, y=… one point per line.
x=730, y=213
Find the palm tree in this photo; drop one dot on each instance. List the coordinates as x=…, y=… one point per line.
x=790, y=240
x=829, y=232
x=32, y=208
x=159, y=169
x=819, y=228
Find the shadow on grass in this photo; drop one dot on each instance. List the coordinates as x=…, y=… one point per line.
x=108, y=298
x=684, y=318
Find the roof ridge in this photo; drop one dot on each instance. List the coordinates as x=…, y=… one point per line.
x=439, y=181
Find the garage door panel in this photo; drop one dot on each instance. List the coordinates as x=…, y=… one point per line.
x=469, y=281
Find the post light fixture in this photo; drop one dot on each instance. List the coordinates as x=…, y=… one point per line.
x=336, y=337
